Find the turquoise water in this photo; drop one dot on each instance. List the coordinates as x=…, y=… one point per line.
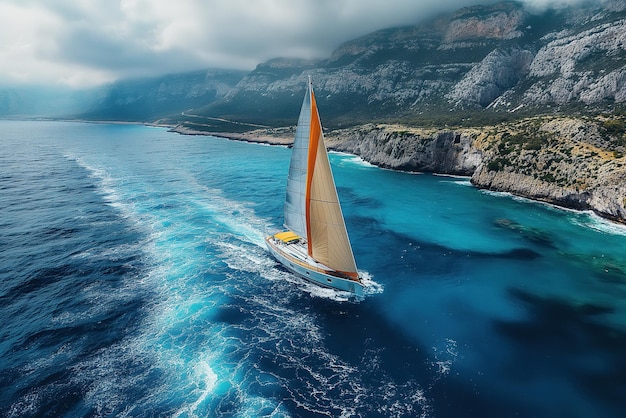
x=135, y=282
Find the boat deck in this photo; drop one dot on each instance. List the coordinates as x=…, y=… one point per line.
x=297, y=252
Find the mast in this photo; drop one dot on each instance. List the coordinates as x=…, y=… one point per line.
x=327, y=236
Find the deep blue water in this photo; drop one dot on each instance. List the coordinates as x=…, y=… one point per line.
x=134, y=282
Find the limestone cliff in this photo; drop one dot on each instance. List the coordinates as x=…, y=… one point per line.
x=410, y=149
x=586, y=66
x=572, y=162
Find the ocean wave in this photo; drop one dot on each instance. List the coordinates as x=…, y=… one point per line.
x=590, y=220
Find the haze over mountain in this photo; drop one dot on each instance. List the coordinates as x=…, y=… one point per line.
x=503, y=57
x=481, y=60
x=86, y=43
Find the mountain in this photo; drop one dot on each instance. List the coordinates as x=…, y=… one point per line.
x=481, y=64
x=165, y=96
x=486, y=63
x=531, y=102
x=135, y=100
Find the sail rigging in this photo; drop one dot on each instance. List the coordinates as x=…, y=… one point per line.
x=316, y=245
x=312, y=208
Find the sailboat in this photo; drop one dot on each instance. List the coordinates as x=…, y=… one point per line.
x=315, y=244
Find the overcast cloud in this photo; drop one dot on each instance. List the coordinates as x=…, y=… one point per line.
x=89, y=42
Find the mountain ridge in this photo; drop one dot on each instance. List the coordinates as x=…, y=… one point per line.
x=488, y=62
x=481, y=60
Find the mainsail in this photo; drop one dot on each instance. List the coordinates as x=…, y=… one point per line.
x=312, y=208
x=295, y=210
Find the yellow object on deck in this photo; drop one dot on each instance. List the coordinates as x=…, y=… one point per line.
x=287, y=236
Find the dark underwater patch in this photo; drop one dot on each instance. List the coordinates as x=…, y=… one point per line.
x=557, y=338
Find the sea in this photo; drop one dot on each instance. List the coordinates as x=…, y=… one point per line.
x=134, y=282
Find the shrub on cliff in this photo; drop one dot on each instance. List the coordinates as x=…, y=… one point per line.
x=614, y=127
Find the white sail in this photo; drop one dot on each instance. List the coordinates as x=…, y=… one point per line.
x=312, y=208
x=295, y=211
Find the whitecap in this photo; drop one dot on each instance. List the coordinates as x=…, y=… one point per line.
x=205, y=381
x=353, y=159
x=593, y=221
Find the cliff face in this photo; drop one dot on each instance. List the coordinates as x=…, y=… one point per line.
x=577, y=163
x=588, y=66
x=400, y=148
x=571, y=162
x=501, y=21
x=500, y=71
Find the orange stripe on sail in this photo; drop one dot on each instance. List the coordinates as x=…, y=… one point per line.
x=314, y=136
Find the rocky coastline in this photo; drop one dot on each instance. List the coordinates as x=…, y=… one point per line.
x=572, y=162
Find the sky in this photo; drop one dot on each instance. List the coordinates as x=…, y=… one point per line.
x=84, y=43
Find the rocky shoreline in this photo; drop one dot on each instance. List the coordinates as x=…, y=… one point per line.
x=572, y=162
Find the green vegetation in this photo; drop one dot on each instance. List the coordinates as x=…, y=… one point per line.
x=444, y=118
x=498, y=164
x=217, y=125
x=614, y=127
x=548, y=149
x=530, y=139
x=602, y=63
x=425, y=57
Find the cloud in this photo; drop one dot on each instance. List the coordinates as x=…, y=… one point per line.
x=539, y=5
x=89, y=42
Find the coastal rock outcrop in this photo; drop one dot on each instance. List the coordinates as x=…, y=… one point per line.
x=570, y=162
x=400, y=148
x=577, y=163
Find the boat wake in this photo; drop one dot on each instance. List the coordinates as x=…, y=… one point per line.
x=226, y=331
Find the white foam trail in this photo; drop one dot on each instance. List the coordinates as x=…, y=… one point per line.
x=453, y=176
x=586, y=219
x=254, y=406
x=206, y=380
x=371, y=287
x=106, y=185
x=240, y=220
x=465, y=183
x=242, y=257
x=196, y=376
x=175, y=300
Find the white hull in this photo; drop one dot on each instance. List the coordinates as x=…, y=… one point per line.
x=295, y=260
